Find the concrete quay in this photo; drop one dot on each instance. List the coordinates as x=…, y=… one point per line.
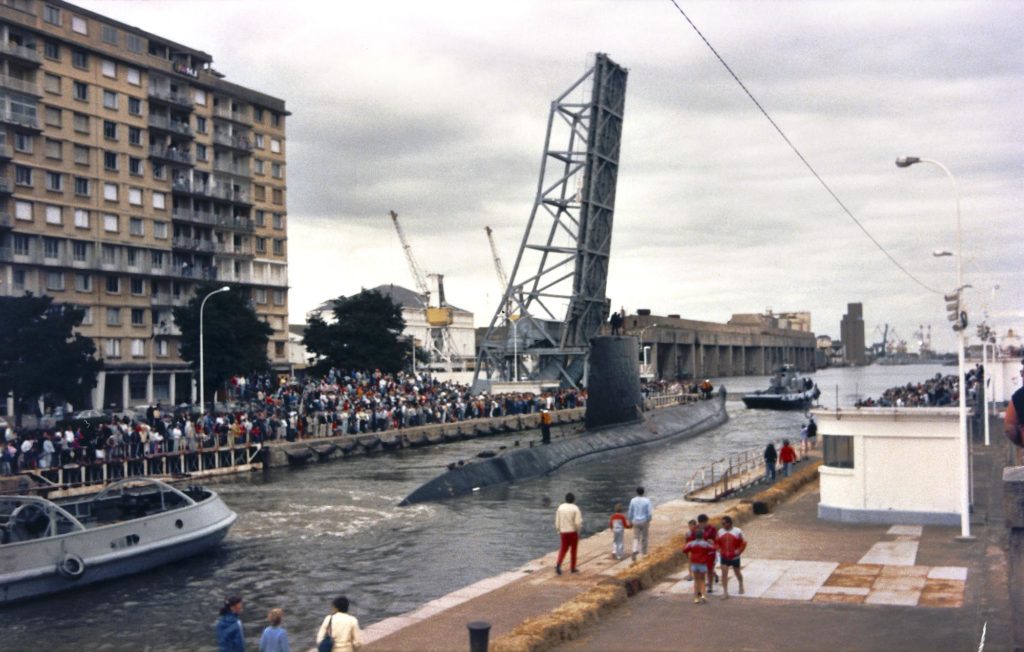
x=810, y=585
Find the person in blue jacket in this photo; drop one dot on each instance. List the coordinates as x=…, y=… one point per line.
x=230, y=635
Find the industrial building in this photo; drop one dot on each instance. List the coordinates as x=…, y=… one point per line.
x=130, y=171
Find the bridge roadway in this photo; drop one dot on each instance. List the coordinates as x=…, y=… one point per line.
x=698, y=349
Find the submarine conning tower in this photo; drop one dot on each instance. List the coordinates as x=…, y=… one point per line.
x=613, y=382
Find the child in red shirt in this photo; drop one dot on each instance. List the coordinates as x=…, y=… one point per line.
x=787, y=456
x=618, y=525
x=702, y=555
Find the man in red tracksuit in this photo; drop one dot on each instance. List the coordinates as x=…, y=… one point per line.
x=730, y=545
x=787, y=457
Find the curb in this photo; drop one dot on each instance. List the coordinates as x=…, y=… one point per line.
x=568, y=621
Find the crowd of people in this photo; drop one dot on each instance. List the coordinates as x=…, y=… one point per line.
x=340, y=403
x=933, y=392
x=339, y=631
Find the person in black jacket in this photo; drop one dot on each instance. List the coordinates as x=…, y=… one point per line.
x=771, y=456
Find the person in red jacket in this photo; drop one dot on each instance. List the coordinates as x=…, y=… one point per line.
x=731, y=545
x=787, y=456
x=702, y=556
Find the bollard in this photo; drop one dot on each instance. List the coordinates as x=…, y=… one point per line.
x=479, y=632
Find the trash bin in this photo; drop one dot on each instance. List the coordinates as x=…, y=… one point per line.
x=479, y=633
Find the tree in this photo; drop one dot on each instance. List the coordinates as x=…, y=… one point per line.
x=234, y=337
x=366, y=334
x=41, y=354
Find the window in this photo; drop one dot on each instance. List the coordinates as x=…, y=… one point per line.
x=161, y=348
x=80, y=90
x=138, y=286
x=838, y=451
x=159, y=171
x=200, y=97
x=51, y=83
x=258, y=164
x=261, y=217
x=54, y=280
x=110, y=223
x=134, y=136
x=135, y=196
x=134, y=106
x=275, y=145
x=81, y=123
x=81, y=218
x=159, y=200
x=51, y=14
x=276, y=170
x=278, y=296
x=79, y=251
x=51, y=248
x=52, y=50
x=87, y=317
x=110, y=100
x=257, y=114
x=52, y=116
x=135, y=166
x=278, y=221
x=201, y=124
x=112, y=348
x=80, y=59
x=133, y=42
x=113, y=316
x=259, y=141
x=133, y=76
x=81, y=186
x=19, y=280
x=201, y=152
x=279, y=349
x=277, y=195
x=260, y=192
x=136, y=226
x=110, y=130
x=22, y=175
x=54, y=149
x=110, y=160
x=114, y=285
x=138, y=348
x=83, y=282
x=20, y=244
x=81, y=155
x=54, y=181
x=159, y=231
x=23, y=143
x=53, y=215
x=260, y=295
x=275, y=119
x=109, y=34
x=131, y=255
x=108, y=254
x=138, y=316
x=158, y=260
x=110, y=191
x=261, y=246
x=278, y=247
x=108, y=68
x=79, y=25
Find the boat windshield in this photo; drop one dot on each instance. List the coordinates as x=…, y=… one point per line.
x=24, y=518
x=153, y=491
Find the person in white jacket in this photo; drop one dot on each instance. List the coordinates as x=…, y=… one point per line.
x=341, y=627
x=568, y=522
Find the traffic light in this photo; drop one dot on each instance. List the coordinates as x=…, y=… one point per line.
x=953, y=312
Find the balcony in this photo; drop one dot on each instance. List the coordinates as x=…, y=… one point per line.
x=183, y=186
x=172, y=154
x=228, y=193
x=6, y=187
x=170, y=97
x=242, y=224
x=5, y=151
x=235, y=116
x=173, y=126
x=20, y=85
x=169, y=300
x=6, y=221
x=193, y=244
x=241, y=143
x=22, y=52
x=20, y=120
x=232, y=168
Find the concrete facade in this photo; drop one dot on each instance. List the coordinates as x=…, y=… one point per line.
x=851, y=330
x=904, y=466
x=686, y=348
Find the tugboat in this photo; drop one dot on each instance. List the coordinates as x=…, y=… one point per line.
x=786, y=391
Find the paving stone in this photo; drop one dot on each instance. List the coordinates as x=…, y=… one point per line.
x=801, y=581
x=892, y=553
x=841, y=598
x=899, y=584
x=900, y=598
x=845, y=590
x=906, y=530
x=905, y=571
x=948, y=573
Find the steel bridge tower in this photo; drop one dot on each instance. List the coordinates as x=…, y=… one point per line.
x=557, y=289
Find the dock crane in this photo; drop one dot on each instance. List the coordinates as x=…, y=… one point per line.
x=500, y=270
x=437, y=312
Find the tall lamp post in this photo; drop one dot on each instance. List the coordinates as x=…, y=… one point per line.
x=959, y=325
x=514, y=320
x=202, y=357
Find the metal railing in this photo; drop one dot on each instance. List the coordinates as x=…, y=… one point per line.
x=20, y=85
x=20, y=119
x=171, y=154
x=226, y=113
x=230, y=168
x=160, y=122
x=728, y=475
x=21, y=51
x=237, y=142
x=169, y=96
x=201, y=217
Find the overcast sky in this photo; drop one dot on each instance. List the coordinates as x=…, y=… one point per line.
x=437, y=110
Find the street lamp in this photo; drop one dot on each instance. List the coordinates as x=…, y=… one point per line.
x=202, y=375
x=959, y=326
x=514, y=320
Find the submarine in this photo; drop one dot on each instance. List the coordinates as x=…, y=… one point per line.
x=616, y=422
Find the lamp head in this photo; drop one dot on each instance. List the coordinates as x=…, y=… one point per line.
x=941, y=253
x=907, y=161
x=224, y=289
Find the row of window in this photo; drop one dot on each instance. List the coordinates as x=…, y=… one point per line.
x=80, y=91
x=25, y=176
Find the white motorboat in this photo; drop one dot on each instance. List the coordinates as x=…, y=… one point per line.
x=130, y=526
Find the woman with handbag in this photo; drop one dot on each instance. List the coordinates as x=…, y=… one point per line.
x=339, y=632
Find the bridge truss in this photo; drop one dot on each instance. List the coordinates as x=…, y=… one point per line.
x=556, y=293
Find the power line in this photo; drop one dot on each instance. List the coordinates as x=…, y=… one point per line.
x=801, y=156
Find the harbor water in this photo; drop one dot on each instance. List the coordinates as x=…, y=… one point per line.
x=307, y=535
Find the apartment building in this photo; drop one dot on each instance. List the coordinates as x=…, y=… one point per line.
x=131, y=171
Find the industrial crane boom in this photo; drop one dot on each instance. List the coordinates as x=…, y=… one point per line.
x=498, y=267
x=417, y=274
